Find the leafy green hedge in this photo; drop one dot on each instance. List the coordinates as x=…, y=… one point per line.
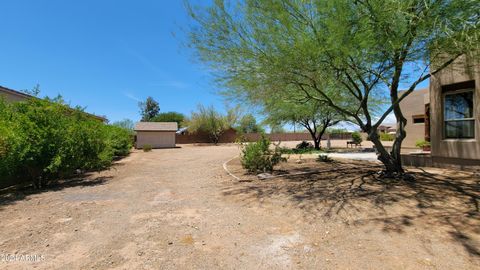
x=43, y=140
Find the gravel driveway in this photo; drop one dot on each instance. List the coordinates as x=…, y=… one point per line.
x=171, y=209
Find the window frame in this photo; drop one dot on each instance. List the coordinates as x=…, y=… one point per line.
x=418, y=116
x=474, y=105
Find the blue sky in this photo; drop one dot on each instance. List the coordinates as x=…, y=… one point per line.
x=104, y=55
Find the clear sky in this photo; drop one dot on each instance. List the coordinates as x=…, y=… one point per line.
x=105, y=55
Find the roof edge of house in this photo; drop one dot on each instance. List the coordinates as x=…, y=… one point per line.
x=150, y=126
x=18, y=93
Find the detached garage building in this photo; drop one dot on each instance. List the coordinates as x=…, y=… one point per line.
x=156, y=134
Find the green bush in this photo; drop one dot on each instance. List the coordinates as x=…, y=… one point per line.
x=257, y=157
x=357, y=137
x=147, y=148
x=44, y=140
x=324, y=158
x=386, y=137
x=289, y=151
x=304, y=145
x=120, y=140
x=422, y=144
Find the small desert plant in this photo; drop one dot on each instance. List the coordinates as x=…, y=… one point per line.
x=423, y=144
x=357, y=137
x=257, y=157
x=304, y=145
x=241, y=139
x=324, y=158
x=147, y=148
x=386, y=137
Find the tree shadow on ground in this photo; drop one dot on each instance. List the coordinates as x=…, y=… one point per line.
x=355, y=194
x=12, y=195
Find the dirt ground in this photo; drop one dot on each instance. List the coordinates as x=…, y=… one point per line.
x=178, y=209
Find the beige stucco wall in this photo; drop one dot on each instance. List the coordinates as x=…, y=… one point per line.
x=157, y=139
x=460, y=71
x=414, y=104
x=9, y=97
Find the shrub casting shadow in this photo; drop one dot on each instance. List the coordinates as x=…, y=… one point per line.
x=11, y=195
x=355, y=192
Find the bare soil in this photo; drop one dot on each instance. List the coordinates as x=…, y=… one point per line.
x=178, y=209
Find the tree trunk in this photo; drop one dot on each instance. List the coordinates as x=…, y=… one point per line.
x=320, y=135
x=316, y=142
x=214, y=138
x=392, y=161
x=313, y=132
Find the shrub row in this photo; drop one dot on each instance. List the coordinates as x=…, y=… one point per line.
x=43, y=140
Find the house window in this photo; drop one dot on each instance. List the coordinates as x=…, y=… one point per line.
x=458, y=114
x=418, y=119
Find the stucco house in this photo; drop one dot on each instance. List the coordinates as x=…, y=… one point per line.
x=451, y=110
x=156, y=134
x=455, y=113
x=11, y=95
x=387, y=129
x=414, y=110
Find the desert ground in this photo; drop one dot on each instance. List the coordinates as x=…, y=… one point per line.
x=179, y=209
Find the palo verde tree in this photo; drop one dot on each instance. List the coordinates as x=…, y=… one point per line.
x=149, y=109
x=348, y=54
x=169, y=117
x=125, y=124
x=210, y=121
x=280, y=109
x=312, y=115
x=248, y=124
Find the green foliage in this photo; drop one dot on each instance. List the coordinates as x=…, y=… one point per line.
x=386, y=137
x=422, y=144
x=119, y=140
x=248, y=124
x=35, y=91
x=351, y=55
x=257, y=157
x=285, y=150
x=357, y=137
x=149, y=109
x=43, y=140
x=277, y=129
x=304, y=145
x=147, y=148
x=315, y=117
x=169, y=117
x=336, y=130
x=324, y=158
x=125, y=124
x=210, y=121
